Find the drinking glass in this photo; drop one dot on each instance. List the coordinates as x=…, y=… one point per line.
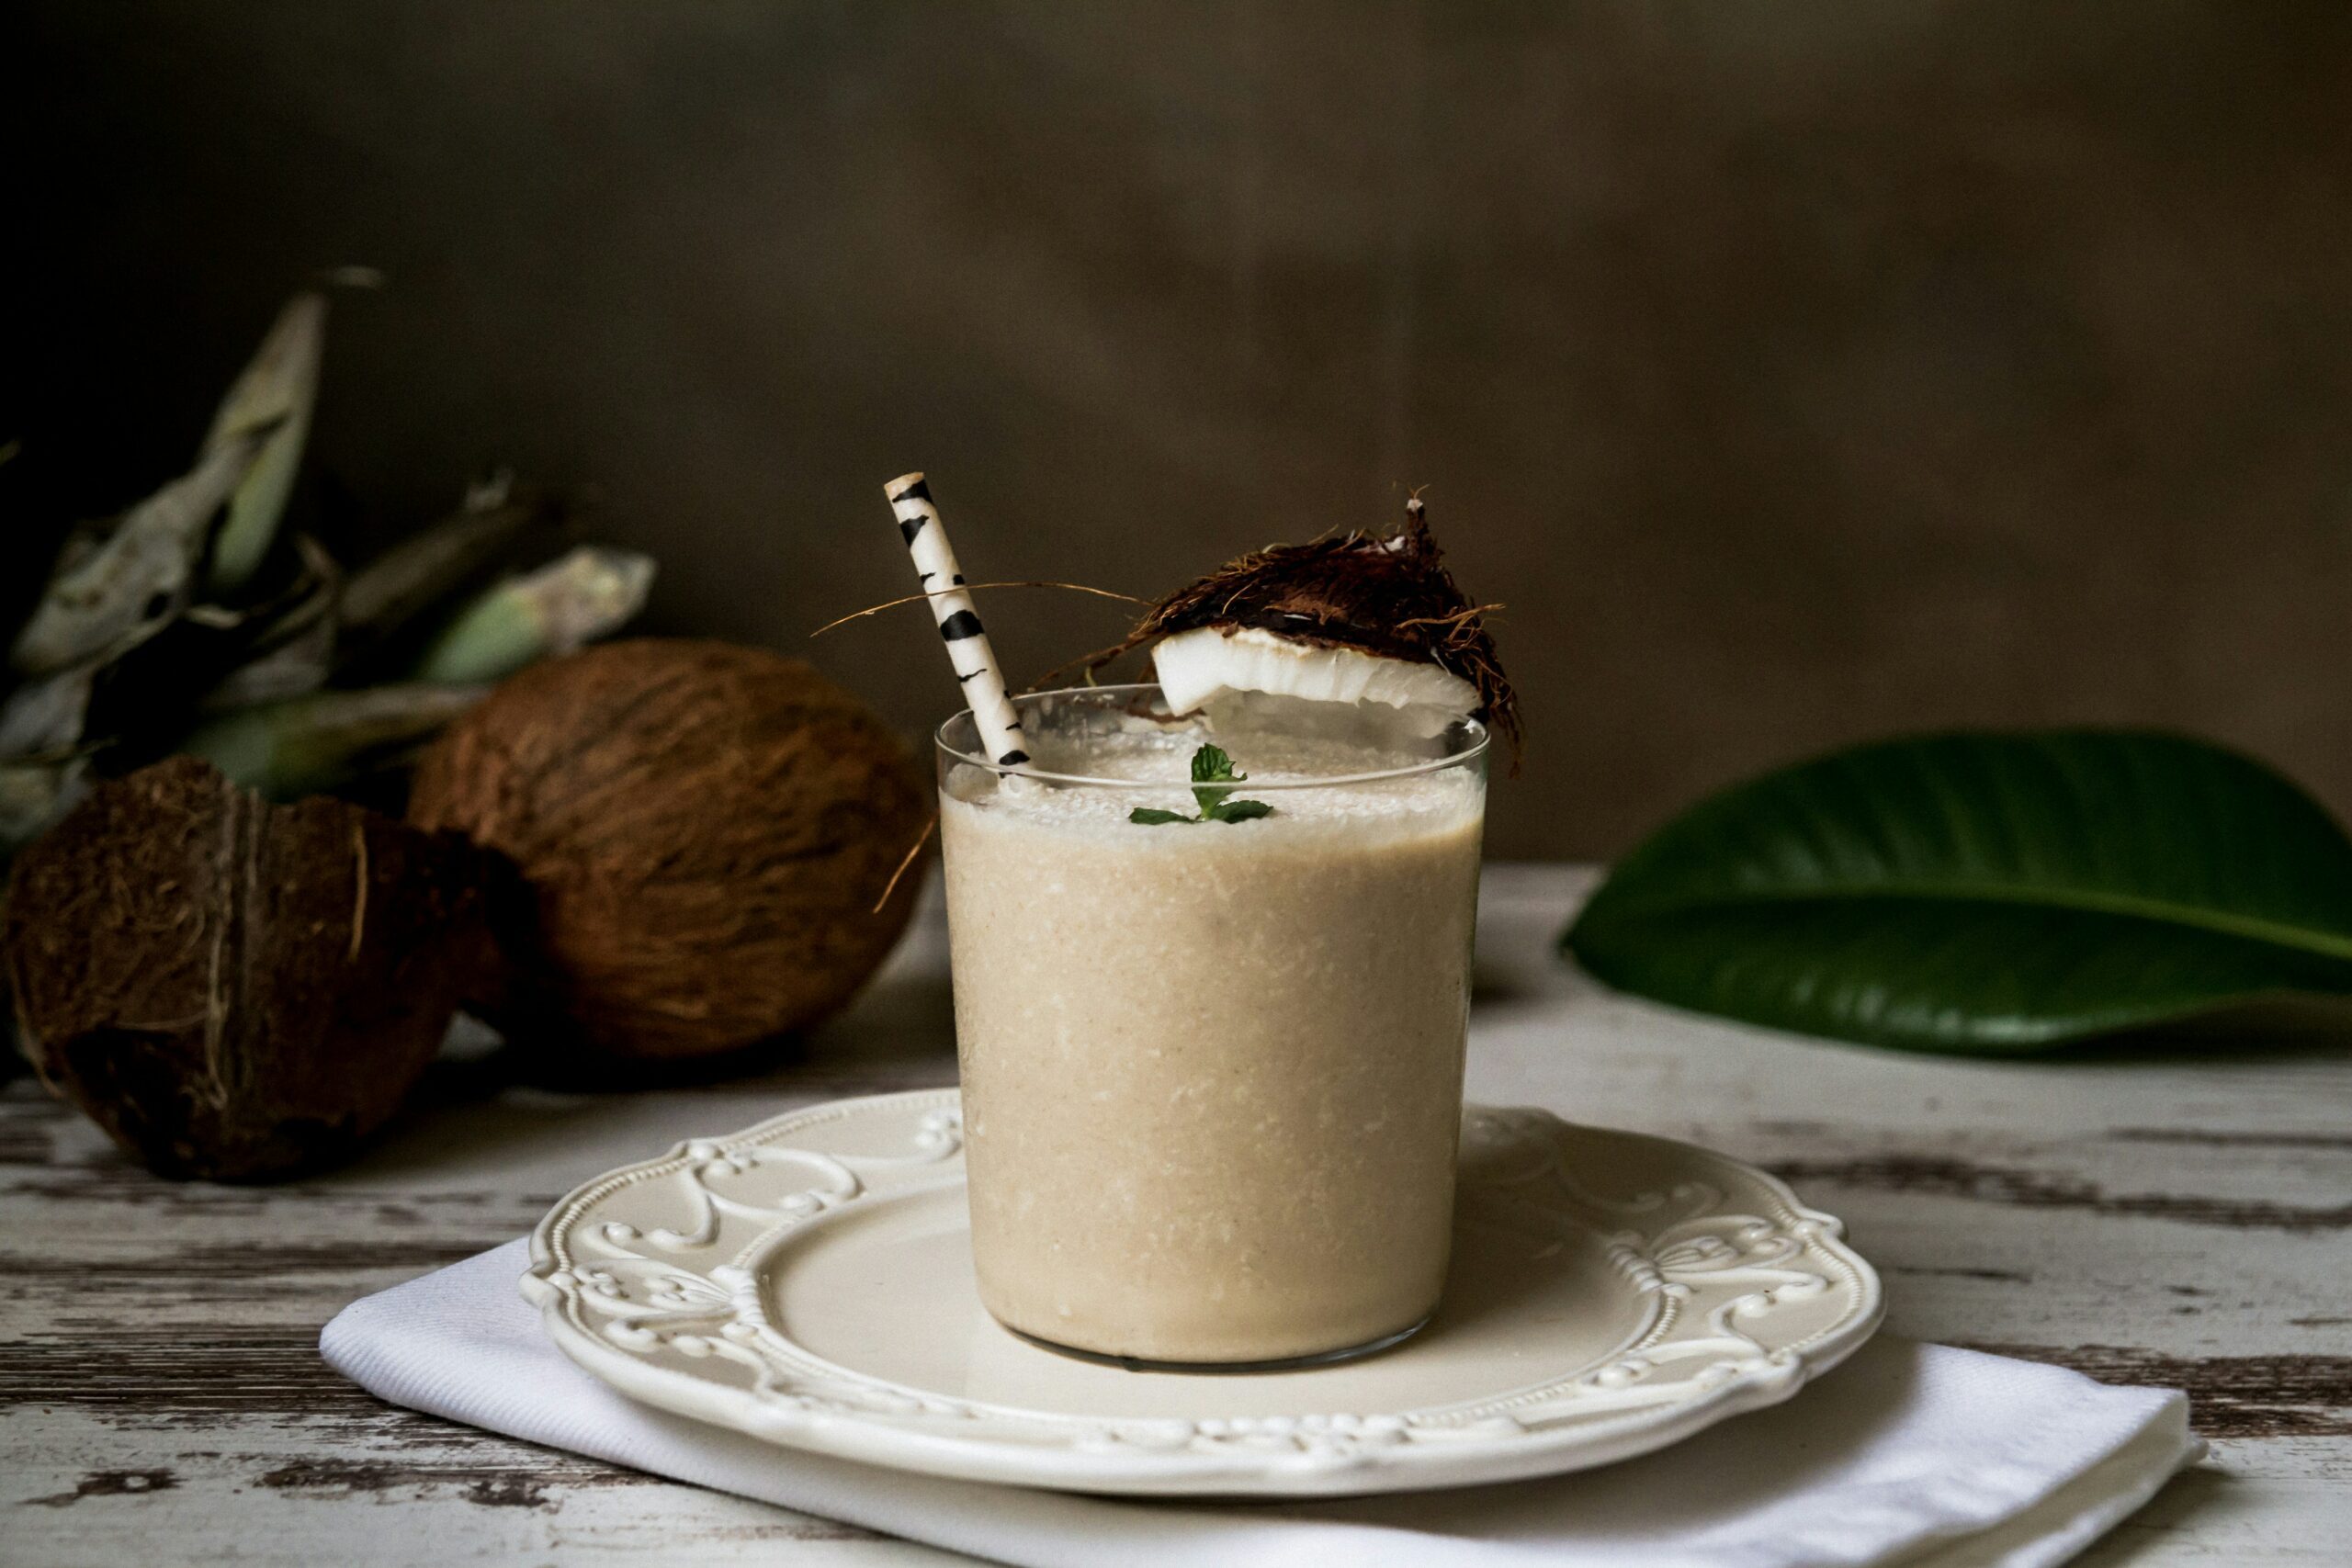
x=1212, y=1069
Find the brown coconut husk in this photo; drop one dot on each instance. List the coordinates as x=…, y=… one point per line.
x=703, y=834
x=1389, y=596
x=235, y=990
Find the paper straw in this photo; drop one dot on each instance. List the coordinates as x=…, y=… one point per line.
x=959, y=624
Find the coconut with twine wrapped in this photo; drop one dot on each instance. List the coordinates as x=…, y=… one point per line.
x=233, y=988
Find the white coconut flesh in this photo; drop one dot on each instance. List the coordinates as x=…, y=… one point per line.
x=1197, y=667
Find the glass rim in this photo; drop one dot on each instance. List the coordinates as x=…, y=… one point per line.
x=1481, y=737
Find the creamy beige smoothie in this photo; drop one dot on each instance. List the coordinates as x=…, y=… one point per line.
x=1211, y=1071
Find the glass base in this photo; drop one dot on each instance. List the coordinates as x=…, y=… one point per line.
x=1280, y=1364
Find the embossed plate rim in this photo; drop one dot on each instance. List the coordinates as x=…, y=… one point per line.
x=1699, y=1305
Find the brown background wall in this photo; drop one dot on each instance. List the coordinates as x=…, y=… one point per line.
x=1796, y=373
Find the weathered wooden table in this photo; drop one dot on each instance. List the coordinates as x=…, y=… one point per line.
x=2176, y=1214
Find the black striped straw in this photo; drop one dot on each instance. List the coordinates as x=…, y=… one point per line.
x=959, y=624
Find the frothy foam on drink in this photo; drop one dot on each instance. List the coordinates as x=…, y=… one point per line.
x=1287, y=772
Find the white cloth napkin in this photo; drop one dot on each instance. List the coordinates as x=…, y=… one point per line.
x=1921, y=1454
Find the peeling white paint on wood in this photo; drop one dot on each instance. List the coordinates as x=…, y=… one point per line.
x=2182, y=1215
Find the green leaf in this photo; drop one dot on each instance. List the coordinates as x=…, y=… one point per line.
x=114, y=588
x=271, y=400
x=1213, y=780
x=1211, y=767
x=310, y=744
x=591, y=593
x=1983, y=893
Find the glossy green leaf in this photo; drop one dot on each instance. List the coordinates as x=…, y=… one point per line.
x=1984, y=893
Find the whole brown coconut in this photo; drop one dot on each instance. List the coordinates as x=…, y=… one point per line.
x=703, y=831
x=235, y=990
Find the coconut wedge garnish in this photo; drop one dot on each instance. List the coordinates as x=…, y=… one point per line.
x=1350, y=618
x=1194, y=667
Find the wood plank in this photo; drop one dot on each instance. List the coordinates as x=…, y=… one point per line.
x=2172, y=1212
x=292, y=1492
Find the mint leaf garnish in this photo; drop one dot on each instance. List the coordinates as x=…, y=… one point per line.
x=1213, y=778
x=1212, y=768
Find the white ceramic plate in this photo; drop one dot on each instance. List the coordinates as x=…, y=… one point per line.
x=809, y=1281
